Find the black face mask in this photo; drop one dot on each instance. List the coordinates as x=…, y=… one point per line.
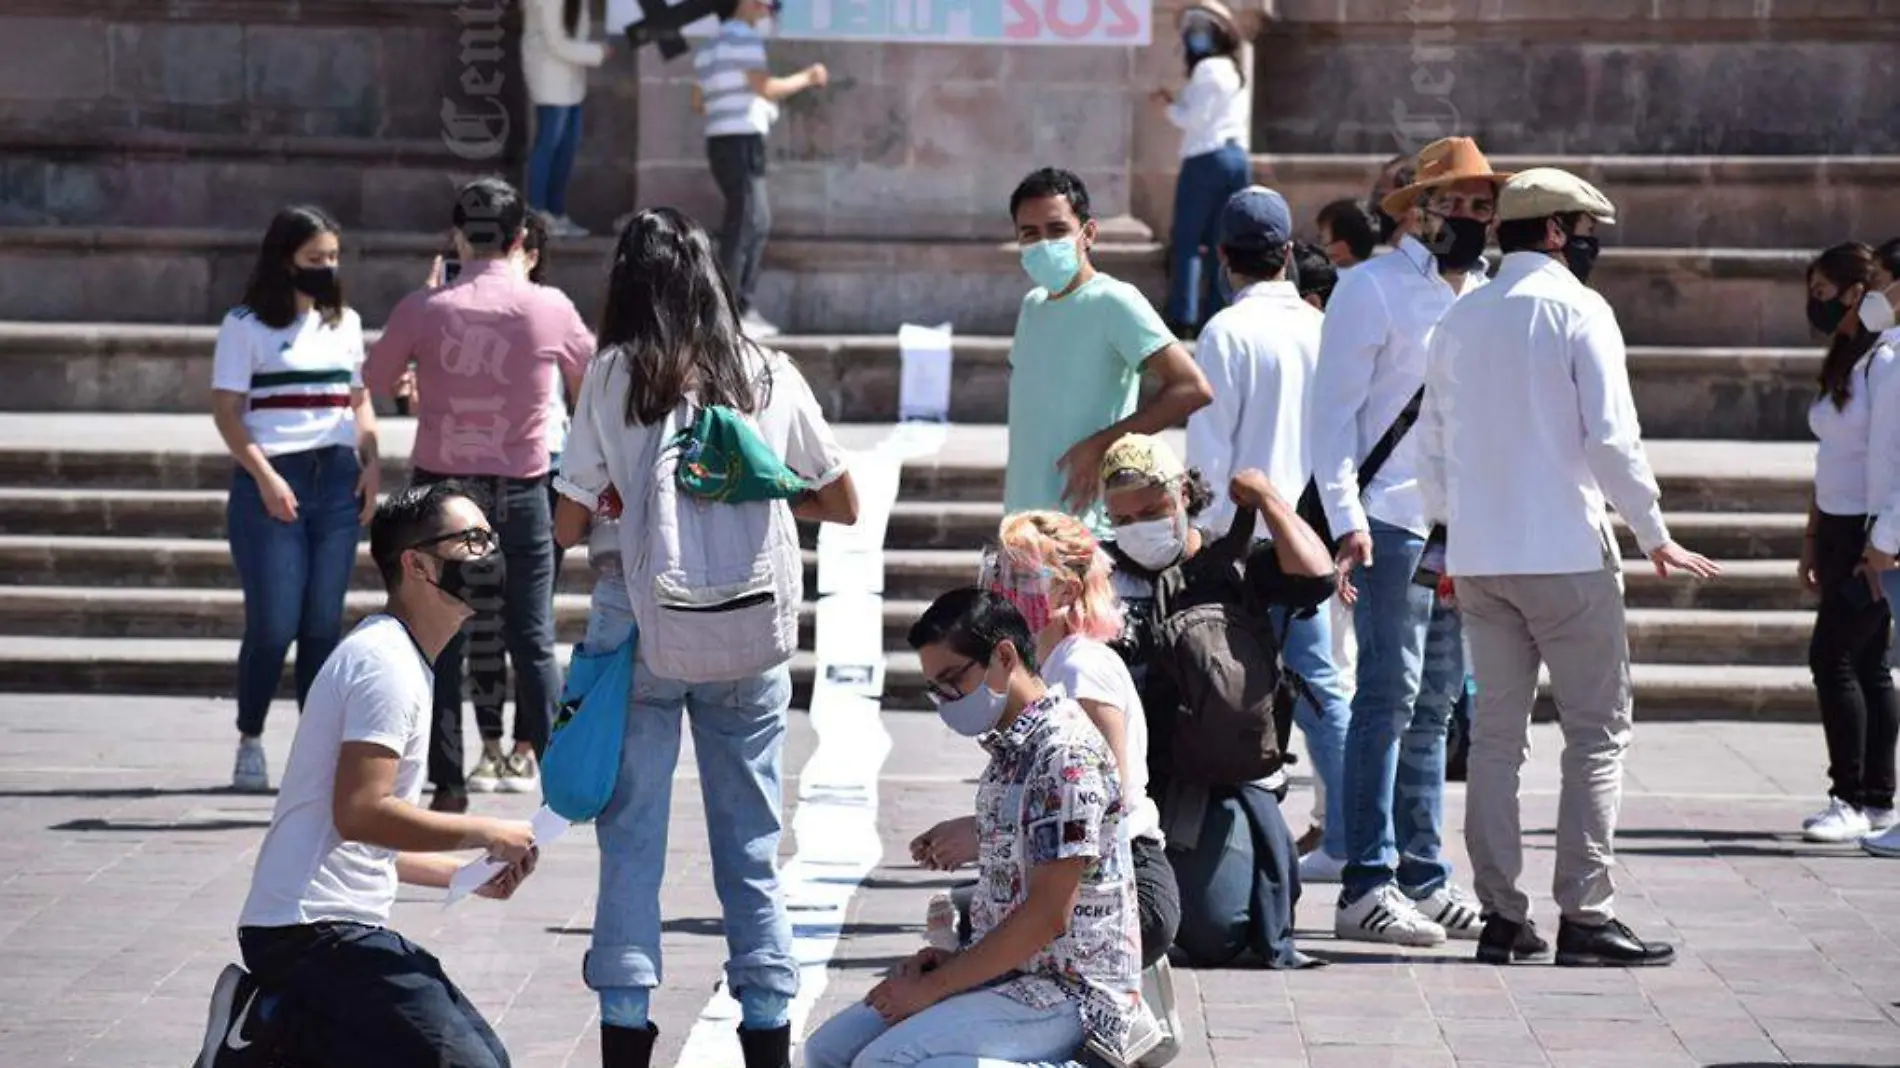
x=480, y=577
x=1459, y=245
x=1580, y=253
x=1825, y=315
x=317, y=283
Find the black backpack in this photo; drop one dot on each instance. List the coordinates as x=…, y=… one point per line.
x=1214, y=644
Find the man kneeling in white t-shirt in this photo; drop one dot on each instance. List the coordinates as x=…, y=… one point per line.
x=330, y=983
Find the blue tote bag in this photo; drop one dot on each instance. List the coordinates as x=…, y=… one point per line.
x=582, y=762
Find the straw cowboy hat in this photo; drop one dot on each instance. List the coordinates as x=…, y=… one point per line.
x=1441, y=163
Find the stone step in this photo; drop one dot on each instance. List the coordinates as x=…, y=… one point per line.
x=86, y=450
x=1663, y=296
x=915, y=574
x=1657, y=635
x=1745, y=394
x=913, y=524
x=204, y=667
x=1690, y=201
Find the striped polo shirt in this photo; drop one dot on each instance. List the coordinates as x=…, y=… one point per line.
x=296, y=380
x=722, y=66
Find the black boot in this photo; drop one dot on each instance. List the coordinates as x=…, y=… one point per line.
x=1612, y=945
x=627, y=1047
x=767, y=1049
x=1504, y=941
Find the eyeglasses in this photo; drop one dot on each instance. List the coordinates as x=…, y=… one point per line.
x=479, y=541
x=943, y=689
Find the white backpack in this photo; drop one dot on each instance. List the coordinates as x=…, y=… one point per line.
x=716, y=588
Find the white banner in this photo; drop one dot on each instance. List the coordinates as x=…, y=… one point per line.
x=1112, y=23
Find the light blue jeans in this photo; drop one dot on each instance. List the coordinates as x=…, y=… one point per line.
x=1308, y=651
x=1411, y=667
x=980, y=1029
x=739, y=739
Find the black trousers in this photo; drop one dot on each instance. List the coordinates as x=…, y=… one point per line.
x=366, y=997
x=517, y=508
x=1848, y=656
x=488, y=672
x=738, y=167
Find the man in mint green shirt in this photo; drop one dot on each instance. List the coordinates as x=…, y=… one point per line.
x=1083, y=341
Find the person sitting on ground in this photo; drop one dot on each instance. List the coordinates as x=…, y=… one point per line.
x=329, y=982
x=1054, y=955
x=1049, y=566
x=1234, y=860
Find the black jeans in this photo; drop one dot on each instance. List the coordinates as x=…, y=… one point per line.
x=488, y=671
x=518, y=510
x=366, y=997
x=738, y=167
x=1848, y=656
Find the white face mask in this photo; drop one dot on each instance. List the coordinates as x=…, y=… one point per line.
x=1155, y=544
x=1876, y=312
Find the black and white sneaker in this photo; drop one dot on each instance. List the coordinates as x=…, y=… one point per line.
x=1454, y=910
x=232, y=1026
x=1385, y=915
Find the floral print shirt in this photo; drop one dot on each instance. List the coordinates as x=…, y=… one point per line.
x=1050, y=793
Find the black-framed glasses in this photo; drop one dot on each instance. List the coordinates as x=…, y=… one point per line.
x=479, y=541
x=942, y=690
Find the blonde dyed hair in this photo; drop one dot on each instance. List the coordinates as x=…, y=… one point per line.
x=1078, y=570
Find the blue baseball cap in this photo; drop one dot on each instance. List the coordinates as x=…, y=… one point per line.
x=1256, y=219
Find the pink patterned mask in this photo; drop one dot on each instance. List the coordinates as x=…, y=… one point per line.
x=1026, y=588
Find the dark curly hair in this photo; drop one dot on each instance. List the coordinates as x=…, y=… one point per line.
x=1199, y=495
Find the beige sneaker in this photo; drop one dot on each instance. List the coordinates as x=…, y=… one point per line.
x=486, y=778
x=520, y=774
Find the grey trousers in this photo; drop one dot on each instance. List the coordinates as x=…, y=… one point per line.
x=1575, y=625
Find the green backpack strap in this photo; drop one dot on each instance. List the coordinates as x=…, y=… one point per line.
x=722, y=458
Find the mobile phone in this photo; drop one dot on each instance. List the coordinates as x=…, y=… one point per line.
x=451, y=268
x=1431, y=563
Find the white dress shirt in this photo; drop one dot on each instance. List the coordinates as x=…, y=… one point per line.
x=1212, y=108
x=1843, y=468
x=1258, y=355
x=1371, y=362
x=1528, y=424
x=1883, y=445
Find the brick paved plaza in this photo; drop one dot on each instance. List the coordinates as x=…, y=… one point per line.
x=125, y=863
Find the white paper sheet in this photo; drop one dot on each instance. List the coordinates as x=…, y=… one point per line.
x=923, y=390
x=470, y=877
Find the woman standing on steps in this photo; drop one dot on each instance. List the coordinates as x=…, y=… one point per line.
x=1848, y=652
x=555, y=58
x=287, y=395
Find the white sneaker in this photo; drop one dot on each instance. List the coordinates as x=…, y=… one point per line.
x=1385, y=915
x=520, y=774
x=1320, y=866
x=251, y=773
x=486, y=778
x=1879, y=820
x=1145, y=1035
x=1157, y=990
x=1454, y=910
x=1841, y=822
x=757, y=327
x=566, y=227
x=1885, y=844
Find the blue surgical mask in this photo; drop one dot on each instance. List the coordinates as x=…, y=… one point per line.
x=976, y=712
x=1054, y=263
x=1199, y=43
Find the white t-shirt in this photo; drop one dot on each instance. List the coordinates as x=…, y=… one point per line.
x=377, y=687
x=296, y=380
x=1087, y=670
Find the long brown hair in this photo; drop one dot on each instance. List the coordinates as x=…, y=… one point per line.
x=670, y=315
x=1847, y=265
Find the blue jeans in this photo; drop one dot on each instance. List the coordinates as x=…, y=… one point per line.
x=739, y=739
x=1411, y=667
x=1308, y=651
x=294, y=574
x=557, y=136
x=1240, y=881
x=978, y=1029
x=1200, y=192
x=517, y=508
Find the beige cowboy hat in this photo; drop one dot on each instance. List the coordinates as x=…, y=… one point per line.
x=1441, y=163
x=1217, y=11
